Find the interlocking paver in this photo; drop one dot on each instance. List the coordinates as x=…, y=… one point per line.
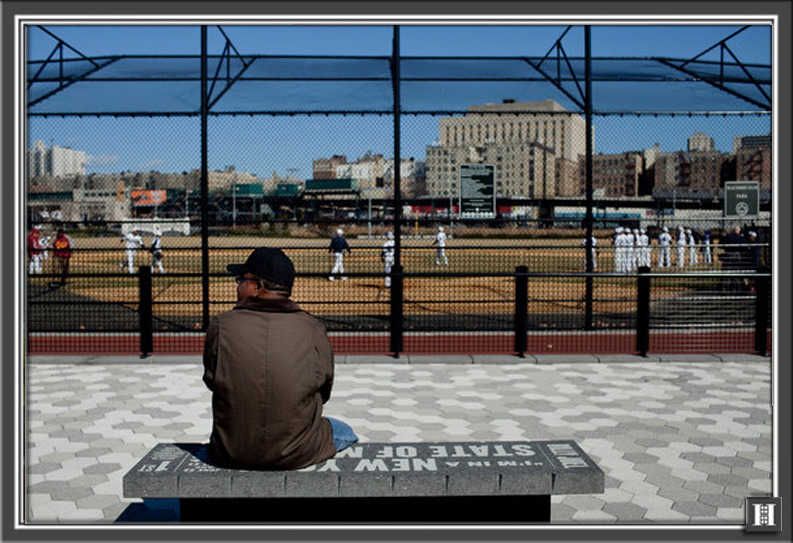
x=695, y=509
x=720, y=500
x=678, y=442
x=623, y=510
x=677, y=493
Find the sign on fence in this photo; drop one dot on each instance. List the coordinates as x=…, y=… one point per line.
x=477, y=191
x=741, y=199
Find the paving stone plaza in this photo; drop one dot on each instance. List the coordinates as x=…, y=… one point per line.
x=682, y=439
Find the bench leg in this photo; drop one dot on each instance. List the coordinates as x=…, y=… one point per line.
x=451, y=509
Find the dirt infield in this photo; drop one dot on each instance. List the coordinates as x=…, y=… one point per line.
x=455, y=295
x=184, y=255
x=179, y=292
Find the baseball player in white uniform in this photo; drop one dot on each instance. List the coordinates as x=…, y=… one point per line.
x=440, y=253
x=618, y=250
x=644, y=240
x=387, y=257
x=681, y=247
x=156, y=253
x=630, y=251
x=132, y=242
x=693, y=257
x=593, y=252
x=664, y=244
x=706, y=247
x=35, y=251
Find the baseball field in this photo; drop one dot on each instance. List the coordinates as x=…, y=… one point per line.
x=478, y=277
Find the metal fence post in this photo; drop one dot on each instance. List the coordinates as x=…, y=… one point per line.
x=643, y=311
x=397, y=315
x=204, y=149
x=588, y=178
x=762, y=291
x=521, y=309
x=145, y=311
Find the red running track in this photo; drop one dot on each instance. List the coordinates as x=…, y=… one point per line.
x=730, y=341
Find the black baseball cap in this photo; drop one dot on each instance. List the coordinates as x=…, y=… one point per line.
x=267, y=263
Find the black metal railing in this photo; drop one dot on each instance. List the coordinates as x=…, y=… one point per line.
x=518, y=312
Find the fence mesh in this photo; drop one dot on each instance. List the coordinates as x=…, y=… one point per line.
x=300, y=177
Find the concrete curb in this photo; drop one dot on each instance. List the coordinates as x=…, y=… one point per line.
x=419, y=359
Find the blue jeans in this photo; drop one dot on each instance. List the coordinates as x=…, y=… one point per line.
x=343, y=435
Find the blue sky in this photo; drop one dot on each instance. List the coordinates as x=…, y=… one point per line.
x=644, y=40
x=170, y=145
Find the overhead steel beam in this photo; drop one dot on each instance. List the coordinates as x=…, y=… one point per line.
x=720, y=85
x=63, y=82
x=226, y=57
x=68, y=82
x=561, y=60
x=722, y=46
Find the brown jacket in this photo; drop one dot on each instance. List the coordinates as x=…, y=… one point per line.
x=269, y=366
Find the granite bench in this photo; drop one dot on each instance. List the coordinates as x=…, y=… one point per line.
x=374, y=482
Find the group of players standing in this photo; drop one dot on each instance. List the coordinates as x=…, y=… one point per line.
x=133, y=242
x=39, y=248
x=632, y=248
x=61, y=247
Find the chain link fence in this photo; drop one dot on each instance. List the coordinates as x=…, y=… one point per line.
x=657, y=201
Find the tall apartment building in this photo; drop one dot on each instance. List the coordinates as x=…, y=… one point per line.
x=55, y=161
x=614, y=175
x=689, y=173
x=700, y=141
x=522, y=139
x=521, y=170
x=568, y=178
x=753, y=159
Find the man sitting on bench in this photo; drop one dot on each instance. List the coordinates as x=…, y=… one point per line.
x=270, y=368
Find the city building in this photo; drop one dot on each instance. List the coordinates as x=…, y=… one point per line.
x=697, y=174
x=229, y=177
x=511, y=122
x=521, y=170
x=325, y=168
x=613, y=175
x=523, y=140
x=373, y=173
x=55, y=161
x=753, y=159
x=700, y=141
x=568, y=184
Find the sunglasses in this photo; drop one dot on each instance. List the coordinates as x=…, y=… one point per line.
x=241, y=279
